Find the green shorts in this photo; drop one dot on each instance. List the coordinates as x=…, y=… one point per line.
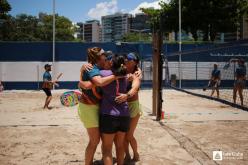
x=134, y=108
x=89, y=115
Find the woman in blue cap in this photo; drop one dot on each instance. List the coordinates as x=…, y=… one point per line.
x=132, y=62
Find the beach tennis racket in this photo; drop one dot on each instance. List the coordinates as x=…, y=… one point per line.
x=206, y=87
x=59, y=76
x=70, y=98
x=56, y=84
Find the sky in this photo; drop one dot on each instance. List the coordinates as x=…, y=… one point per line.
x=80, y=10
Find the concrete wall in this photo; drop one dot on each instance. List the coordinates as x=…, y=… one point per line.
x=33, y=71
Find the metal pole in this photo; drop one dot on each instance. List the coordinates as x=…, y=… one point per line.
x=53, y=40
x=38, y=77
x=83, y=32
x=180, y=45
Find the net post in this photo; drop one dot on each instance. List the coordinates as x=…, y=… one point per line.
x=157, y=74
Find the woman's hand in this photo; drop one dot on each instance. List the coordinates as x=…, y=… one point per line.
x=138, y=73
x=121, y=98
x=56, y=84
x=86, y=67
x=130, y=77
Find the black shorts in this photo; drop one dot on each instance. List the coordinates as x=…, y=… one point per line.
x=214, y=84
x=240, y=83
x=112, y=124
x=47, y=91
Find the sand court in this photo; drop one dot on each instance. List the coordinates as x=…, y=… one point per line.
x=192, y=129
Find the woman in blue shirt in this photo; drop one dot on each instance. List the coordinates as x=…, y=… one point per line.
x=240, y=81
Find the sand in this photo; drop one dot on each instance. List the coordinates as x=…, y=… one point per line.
x=193, y=127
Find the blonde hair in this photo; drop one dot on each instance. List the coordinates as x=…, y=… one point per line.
x=93, y=54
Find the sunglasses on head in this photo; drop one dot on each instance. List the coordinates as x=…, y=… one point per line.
x=109, y=58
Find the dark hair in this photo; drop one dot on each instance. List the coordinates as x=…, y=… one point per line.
x=118, y=67
x=137, y=58
x=47, y=66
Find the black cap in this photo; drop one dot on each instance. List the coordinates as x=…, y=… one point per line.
x=47, y=65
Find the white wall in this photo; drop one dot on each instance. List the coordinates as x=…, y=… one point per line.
x=33, y=71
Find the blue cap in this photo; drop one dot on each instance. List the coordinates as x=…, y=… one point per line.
x=131, y=56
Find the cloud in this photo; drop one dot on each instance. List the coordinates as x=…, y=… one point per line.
x=154, y=5
x=103, y=8
x=110, y=7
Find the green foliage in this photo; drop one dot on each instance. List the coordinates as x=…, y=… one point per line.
x=64, y=28
x=154, y=17
x=136, y=37
x=30, y=28
x=4, y=9
x=208, y=16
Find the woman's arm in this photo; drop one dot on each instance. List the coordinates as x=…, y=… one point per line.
x=103, y=81
x=133, y=91
x=85, y=67
x=85, y=84
x=135, y=86
x=81, y=83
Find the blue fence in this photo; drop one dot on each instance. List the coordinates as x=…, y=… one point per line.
x=76, y=51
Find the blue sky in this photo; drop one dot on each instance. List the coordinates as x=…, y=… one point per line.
x=79, y=10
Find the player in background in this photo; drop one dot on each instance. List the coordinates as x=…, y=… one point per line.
x=47, y=85
x=240, y=81
x=214, y=81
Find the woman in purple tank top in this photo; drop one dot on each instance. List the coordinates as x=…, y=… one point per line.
x=114, y=117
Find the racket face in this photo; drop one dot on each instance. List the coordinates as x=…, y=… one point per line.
x=70, y=98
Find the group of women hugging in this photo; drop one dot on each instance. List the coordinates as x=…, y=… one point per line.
x=109, y=105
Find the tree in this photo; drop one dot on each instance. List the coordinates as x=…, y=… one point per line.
x=7, y=29
x=154, y=15
x=211, y=16
x=4, y=9
x=25, y=27
x=208, y=16
x=6, y=21
x=64, y=28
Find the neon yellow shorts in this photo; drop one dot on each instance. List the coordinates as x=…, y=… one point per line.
x=134, y=108
x=89, y=115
